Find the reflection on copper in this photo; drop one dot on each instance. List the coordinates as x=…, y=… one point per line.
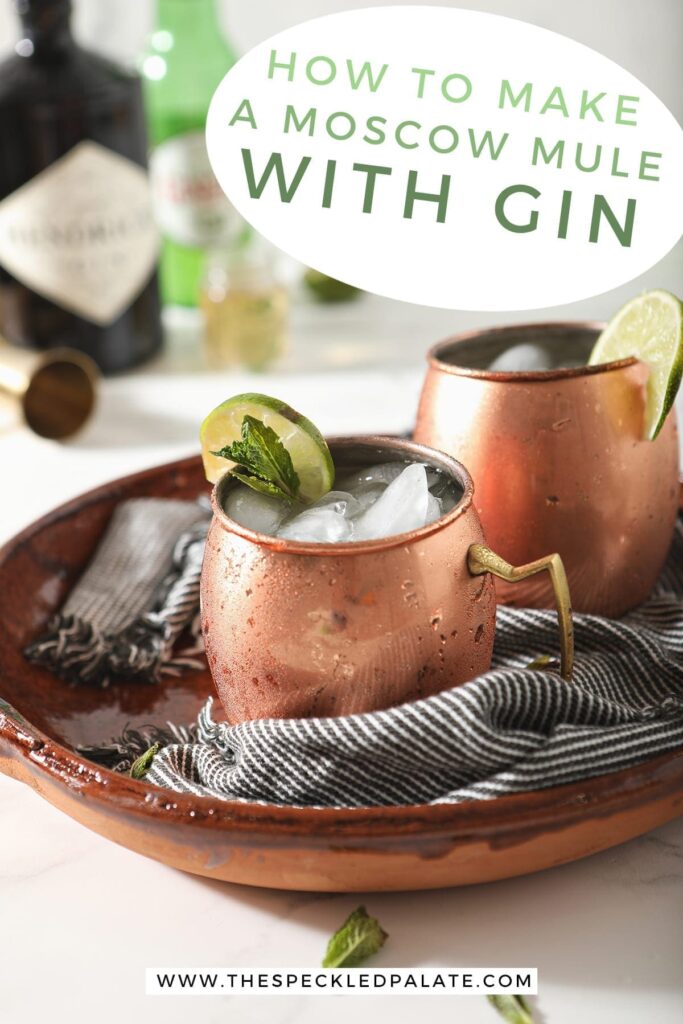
x=295, y=629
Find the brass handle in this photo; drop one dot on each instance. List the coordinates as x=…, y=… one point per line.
x=481, y=559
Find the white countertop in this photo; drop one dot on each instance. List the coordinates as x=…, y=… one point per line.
x=80, y=918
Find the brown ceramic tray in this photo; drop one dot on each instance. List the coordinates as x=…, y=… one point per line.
x=42, y=720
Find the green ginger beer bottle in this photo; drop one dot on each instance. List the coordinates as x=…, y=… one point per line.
x=186, y=58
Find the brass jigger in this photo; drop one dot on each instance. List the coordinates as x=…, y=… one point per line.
x=53, y=392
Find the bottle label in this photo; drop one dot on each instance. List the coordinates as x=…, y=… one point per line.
x=82, y=232
x=190, y=206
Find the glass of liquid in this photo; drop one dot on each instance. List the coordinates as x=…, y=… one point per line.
x=245, y=307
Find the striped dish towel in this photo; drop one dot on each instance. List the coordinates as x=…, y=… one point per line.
x=511, y=730
x=139, y=594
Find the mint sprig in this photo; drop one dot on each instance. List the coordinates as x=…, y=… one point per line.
x=513, y=1009
x=142, y=764
x=358, y=938
x=263, y=462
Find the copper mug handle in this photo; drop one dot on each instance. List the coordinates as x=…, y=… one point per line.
x=481, y=559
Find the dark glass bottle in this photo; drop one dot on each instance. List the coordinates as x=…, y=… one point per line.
x=78, y=244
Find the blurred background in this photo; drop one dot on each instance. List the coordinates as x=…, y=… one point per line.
x=236, y=315
x=643, y=35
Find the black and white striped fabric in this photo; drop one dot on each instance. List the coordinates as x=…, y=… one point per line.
x=511, y=730
x=137, y=596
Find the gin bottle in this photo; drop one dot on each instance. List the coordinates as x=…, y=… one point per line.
x=78, y=242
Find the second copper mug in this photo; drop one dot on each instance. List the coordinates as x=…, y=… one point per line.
x=559, y=461
x=295, y=629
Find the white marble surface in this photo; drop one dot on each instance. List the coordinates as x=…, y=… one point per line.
x=80, y=918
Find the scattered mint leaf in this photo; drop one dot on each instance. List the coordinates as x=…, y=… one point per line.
x=358, y=938
x=542, y=661
x=141, y=765
x=261, y=456
x=513, y=1009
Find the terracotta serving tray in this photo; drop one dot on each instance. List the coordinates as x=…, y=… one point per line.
x=42, y=720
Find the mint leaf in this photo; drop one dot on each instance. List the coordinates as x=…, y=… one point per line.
x=141, y=765
x=513, y=1009
x=261, y=456
x=358, y=938
x=256, y=484
x=543, y=661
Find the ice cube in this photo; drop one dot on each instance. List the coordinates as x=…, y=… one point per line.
x=449, y=500
x=527, y=356
x=440, y=484
x=256, y=511
x=384, y=473
x=434, y=509
x=323, y=525
x=401, y=507
x=367, y=494
x=342, y=501
x=434, y=477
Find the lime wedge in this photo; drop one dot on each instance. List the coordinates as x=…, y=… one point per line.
x=649, y=327
x=304, y=442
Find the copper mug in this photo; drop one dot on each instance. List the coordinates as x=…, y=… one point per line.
x=298, y=629
x=559, y=462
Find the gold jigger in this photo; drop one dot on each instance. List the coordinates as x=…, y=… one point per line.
x=559, y=462
x=299, y=629
x=53, y=392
